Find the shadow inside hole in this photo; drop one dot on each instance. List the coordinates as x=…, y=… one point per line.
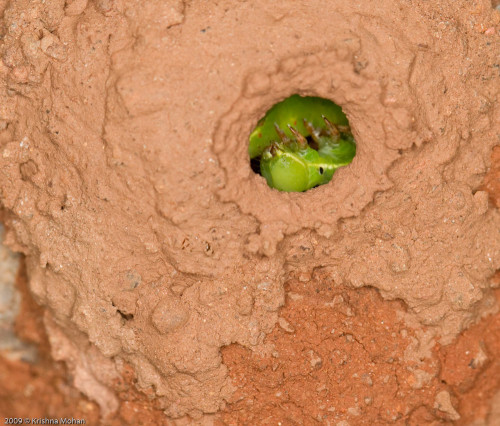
x=312, y=143
x=255, y=165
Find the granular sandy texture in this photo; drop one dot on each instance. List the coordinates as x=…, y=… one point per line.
x=468, y=370
x=125, y=180
x=339, y=355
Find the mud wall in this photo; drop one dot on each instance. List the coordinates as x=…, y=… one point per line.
x=125, y=179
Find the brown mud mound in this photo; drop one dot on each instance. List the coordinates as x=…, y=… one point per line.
x=125, y=179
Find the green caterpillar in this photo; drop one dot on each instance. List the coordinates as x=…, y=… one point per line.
x=300, y=143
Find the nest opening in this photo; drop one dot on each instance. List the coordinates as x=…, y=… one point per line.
x=300, y=143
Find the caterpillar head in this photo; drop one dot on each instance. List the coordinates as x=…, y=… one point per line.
x=291, y=165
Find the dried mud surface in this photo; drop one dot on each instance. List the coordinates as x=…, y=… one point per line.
x=352, y=366
x=316, y=377
x=149, y=242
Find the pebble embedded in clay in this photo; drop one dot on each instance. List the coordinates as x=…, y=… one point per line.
x=169, y=315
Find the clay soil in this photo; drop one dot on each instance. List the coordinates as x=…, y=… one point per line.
x=214, y=312
x=350, y=363
x=332, y=364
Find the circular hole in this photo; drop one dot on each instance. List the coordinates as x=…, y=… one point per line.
x=300, y=143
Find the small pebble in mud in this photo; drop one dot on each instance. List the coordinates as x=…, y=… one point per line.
x=316, y=361
x=443, y=403
x=285, y=325
x=353, y=411
x=367, y=380
x=169, y=315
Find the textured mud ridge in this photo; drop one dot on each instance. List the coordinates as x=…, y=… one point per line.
x=124, y=175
